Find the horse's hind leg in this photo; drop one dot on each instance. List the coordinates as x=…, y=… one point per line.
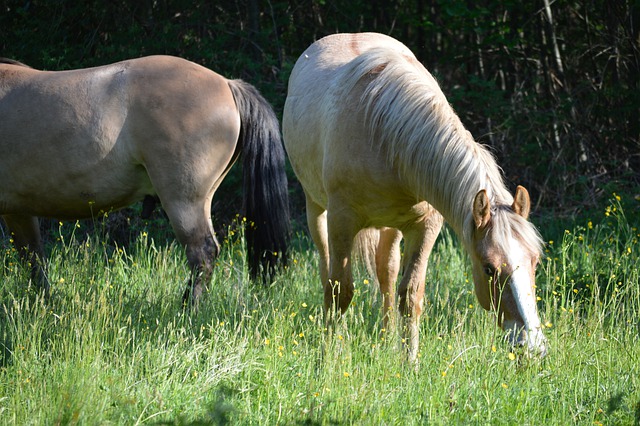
x=25, y=232
x=191, y=223
x=419, y=241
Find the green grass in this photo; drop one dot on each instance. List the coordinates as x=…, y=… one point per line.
x=113, y=345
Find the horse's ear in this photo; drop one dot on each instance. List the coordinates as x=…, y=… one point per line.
x=521, y=202
x=481, y=209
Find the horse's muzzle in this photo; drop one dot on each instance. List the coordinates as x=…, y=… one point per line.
x=533, y=341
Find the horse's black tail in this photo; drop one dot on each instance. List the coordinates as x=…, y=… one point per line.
x=266, y=196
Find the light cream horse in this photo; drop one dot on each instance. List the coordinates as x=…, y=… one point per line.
x=75, y=143
x=378, y=148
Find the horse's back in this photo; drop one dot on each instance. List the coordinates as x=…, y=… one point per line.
x=323, y=124
x=320, y=67
x=333, y=51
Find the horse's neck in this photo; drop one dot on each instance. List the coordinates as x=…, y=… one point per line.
x=450, y=174
x=425, y=140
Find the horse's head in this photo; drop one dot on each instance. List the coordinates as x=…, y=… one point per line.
x=505, y=252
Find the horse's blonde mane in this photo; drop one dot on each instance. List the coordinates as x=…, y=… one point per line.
x=410, y=119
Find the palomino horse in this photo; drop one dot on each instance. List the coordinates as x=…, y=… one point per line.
x=74, y=143
x=378, y=148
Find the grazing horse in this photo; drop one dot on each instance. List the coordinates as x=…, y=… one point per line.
x=75, y=143
x=378, y=148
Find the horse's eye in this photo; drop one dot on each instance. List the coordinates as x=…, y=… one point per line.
x=489, y=270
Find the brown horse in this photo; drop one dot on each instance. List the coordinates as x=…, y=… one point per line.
x=74, y=143
x=378, y=148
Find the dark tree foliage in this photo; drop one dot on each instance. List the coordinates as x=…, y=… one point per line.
x=552, y=87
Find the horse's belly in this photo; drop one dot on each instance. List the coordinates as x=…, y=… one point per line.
x=74, y=197
x=69, y=208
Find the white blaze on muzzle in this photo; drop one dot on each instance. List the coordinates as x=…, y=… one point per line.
x=530, y=333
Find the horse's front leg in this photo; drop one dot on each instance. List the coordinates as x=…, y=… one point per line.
x=25, y=233
x=419, y=241
x=342, y=226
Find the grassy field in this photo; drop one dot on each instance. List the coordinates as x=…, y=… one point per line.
x=113, y=345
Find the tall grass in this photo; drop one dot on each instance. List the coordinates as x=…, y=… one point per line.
x=113, y=345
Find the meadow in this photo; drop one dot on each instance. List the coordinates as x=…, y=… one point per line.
x=113, y=344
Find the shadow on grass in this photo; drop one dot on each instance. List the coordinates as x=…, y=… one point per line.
x=219, y=412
